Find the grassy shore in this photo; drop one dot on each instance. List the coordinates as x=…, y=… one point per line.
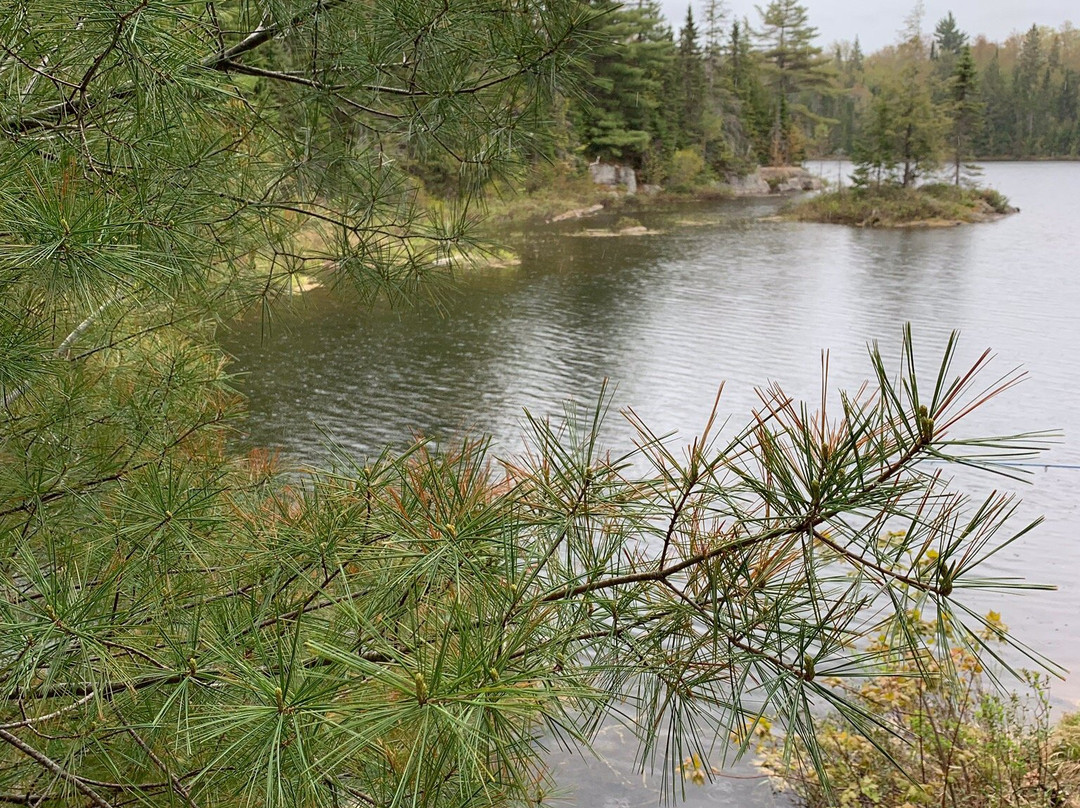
x=578, y=197
x=936, y=205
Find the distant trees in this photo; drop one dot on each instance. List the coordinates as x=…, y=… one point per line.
x=903, y=129
x=1031, y=93
x=690, y=88
x=737, y=92
x=917, y=107
x=1019, y=98
x=727, y=92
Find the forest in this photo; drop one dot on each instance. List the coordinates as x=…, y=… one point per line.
x=722, y=94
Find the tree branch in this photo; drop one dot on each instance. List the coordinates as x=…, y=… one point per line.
x=807, y=523
x=49, y=716
x=51, y=765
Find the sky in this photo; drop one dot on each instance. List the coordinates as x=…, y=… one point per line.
x=877, y=23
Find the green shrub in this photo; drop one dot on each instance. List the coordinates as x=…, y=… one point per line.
x=687, y=168
x=995, y=199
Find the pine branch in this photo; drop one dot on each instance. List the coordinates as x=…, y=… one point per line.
x=55, y=768
x=27, y=722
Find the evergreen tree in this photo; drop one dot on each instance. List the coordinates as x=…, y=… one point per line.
x=715, y=14
x=1029, y=100
x=965, y=110
x=622, y=115
x=874, y=152
x=997, y=136
x=795, y=63
x=690, y=86
x=843, y=106
x=1067, y=114
x=742, y=74
x=904, y=130
x=856, y=58
x=707, y=108
x=948, y=37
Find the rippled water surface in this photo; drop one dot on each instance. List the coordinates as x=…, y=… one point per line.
x=717, y=296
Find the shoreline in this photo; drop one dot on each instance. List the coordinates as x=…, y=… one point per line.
x=583, y=199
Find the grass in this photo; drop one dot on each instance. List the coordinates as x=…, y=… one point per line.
x=892, y=206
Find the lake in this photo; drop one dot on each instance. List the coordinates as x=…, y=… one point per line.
x=715, y=296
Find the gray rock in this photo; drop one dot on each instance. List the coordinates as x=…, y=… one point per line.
x=614, y=175
x=775, y=180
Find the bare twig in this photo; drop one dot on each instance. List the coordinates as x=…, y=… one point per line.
x=26, y=722
x=55, y=768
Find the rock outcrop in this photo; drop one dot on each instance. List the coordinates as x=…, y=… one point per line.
x=775, y=180
x=613, y=175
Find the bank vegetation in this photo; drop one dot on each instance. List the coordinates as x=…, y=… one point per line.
x=934, y=205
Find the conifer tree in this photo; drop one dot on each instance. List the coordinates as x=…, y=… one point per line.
x=1028, y=92
x=621, y=114
x=715, y=15
x=948, y=37
x=795, y=63
x=742, y=74
x=904, y=128
x=965, y=110
x=690, y=85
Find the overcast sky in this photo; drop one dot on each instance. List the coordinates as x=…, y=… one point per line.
x=877, y=23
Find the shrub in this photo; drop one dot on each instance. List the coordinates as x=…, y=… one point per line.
x=687, y=167
x=952, y=741
x=996, y=200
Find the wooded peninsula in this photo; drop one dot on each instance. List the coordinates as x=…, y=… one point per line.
x=724, y=95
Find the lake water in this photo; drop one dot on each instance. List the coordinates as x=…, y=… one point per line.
x=716, y=296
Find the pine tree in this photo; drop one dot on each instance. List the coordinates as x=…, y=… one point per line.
x=874, y=153
x=622, y=115
x=690, y=86
x=795, y=64
x=742, y=74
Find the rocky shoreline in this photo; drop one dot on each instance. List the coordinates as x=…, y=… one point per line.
x=621, y=182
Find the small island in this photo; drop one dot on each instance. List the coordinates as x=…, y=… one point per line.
x=896, y=206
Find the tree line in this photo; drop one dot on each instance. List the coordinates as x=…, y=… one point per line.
x=722, y=94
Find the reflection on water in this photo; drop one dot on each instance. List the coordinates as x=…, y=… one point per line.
x=719, y=297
